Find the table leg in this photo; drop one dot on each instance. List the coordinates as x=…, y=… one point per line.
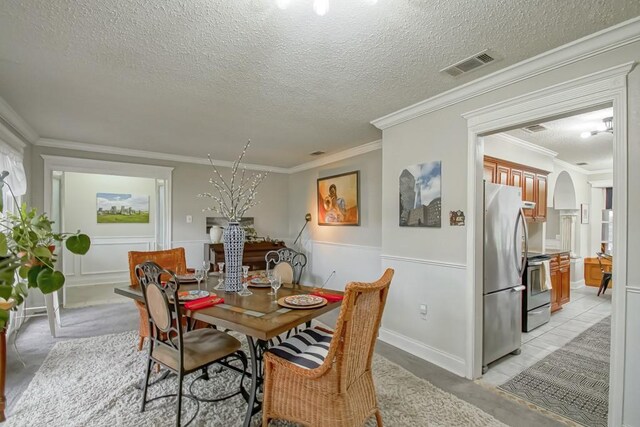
x=256, y=350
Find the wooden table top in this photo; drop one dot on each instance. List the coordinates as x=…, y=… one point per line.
x=257, y=315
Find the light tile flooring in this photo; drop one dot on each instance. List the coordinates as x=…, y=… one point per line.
x=584, y=310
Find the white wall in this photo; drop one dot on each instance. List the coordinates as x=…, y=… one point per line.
x=500, y=147
x=442, y=135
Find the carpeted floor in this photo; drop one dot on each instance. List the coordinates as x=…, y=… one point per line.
x=90, y=382
x=573, y=381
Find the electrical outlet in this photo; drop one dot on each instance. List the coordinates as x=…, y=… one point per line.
x=423, y=311
x=189, y=219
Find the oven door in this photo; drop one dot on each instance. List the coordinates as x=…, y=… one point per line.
x=536, y=296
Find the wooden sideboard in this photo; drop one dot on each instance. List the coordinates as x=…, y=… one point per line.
x=592, y=272
x=253, y=255
x=533, y=183
x=560, y=280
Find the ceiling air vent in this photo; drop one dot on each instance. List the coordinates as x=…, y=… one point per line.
x=317, y=153
x=582, y=164
x=534, y=128
x=471, y=63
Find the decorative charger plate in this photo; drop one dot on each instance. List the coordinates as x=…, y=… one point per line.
x=186, y=278
x=260, y=282
x=191, y=295
x=305, y=299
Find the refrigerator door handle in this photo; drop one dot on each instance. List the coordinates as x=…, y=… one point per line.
x=523, y=261
x=518, y=288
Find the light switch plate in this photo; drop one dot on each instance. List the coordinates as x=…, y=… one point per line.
x=189, y=219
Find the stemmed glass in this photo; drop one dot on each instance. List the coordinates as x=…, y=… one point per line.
x=275, y=285
x=271, y=276
x=245, y=282
x=220, y=286
x=199, y=275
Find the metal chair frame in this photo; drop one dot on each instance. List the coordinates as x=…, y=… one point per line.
x=170, y=335
x=606, y=275
x=297, y=261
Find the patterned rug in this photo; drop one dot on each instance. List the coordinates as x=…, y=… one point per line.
x=91, y=382
x=573, y=381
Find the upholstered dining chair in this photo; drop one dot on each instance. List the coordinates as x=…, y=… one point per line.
x=332, y=370
x=169, y=345
x=287, y=263
x=606, y=275
x=170, y=259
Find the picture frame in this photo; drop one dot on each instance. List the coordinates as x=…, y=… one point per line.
x=420, y=196
x=122, y=208
x=584, y=213
x=338, y=199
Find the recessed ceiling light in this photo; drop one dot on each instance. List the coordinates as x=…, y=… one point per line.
x=321, y=7
x=283, y=4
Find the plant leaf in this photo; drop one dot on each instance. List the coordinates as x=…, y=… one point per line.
x=23, y=271
x=4, y=248
x=32, y=275
x=79, y=244
x=4, y=318
x=42, y=252
x=6, y=291
x=50, y=281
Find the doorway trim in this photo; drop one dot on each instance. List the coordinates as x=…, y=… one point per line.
x=608, y=86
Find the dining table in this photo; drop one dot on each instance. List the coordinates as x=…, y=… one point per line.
x=259, y=317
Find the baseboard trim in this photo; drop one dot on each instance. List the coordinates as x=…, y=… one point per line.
x=433, y=355
x=578, y=284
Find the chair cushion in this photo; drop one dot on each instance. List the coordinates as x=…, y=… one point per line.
x=200, y=347
x=308, y=349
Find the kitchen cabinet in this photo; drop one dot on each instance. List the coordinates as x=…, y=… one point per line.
x=560, y=280
x=532, y=182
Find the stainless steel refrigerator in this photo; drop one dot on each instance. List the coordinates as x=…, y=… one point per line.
x=505, y=239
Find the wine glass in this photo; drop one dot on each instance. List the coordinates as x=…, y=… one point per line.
x=206, y=267
x=271, y=276
x=220, y=286
x=276, y=285
x=245, y=282
x=199, y=275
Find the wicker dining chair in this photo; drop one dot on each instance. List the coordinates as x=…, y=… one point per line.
x=170, y=346
x=287, y=263
x=170, y=259
x=331, y=371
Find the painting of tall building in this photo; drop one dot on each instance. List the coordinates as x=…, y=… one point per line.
x=420, y=195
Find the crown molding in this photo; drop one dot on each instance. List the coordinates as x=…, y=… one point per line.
x=336, y=157
x=579, y=169
x=16, y=123
x=586, y=47
x=521, y=143
x=129, y=152
x=601, y=183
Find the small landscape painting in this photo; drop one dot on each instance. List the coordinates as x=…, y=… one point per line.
x=339, y=199
x=420, y=195
x=118, y=208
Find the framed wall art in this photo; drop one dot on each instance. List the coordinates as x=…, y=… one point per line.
x=118, y=208
x=339, y=199
x=420, y=192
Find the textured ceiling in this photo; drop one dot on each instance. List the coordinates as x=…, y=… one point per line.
x=197, y=76
x=563, y=137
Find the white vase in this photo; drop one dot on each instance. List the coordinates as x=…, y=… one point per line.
x=215, y=233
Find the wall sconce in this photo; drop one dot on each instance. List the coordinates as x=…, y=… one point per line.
x=307, y=218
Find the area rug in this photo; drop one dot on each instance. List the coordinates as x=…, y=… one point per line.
x=91, y=382
x=573, y=381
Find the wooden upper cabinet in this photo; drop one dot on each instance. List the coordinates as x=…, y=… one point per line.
x=503, y=175
x=529, y=192
x=490, y=171
x=541, y=198
x=532, y=182
x=516, y=178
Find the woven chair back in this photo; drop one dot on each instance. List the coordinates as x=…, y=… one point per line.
x=358, y=324
x=170, y=259
x=161, y=301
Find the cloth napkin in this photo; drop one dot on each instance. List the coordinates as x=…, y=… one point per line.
x=329, y=297
x=201, y=303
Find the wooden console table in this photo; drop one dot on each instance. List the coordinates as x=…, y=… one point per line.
x=253, y=255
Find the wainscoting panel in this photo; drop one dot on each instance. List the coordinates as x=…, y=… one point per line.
x=350, y=262
x=631, y=415
x=439, y=337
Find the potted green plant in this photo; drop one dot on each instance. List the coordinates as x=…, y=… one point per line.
x=28, y=260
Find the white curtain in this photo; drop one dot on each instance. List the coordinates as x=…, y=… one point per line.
x=11, y=161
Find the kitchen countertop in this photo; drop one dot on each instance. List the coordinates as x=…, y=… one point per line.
x=548, y=252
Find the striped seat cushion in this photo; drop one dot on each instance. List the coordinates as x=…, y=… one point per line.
x=308, y=349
